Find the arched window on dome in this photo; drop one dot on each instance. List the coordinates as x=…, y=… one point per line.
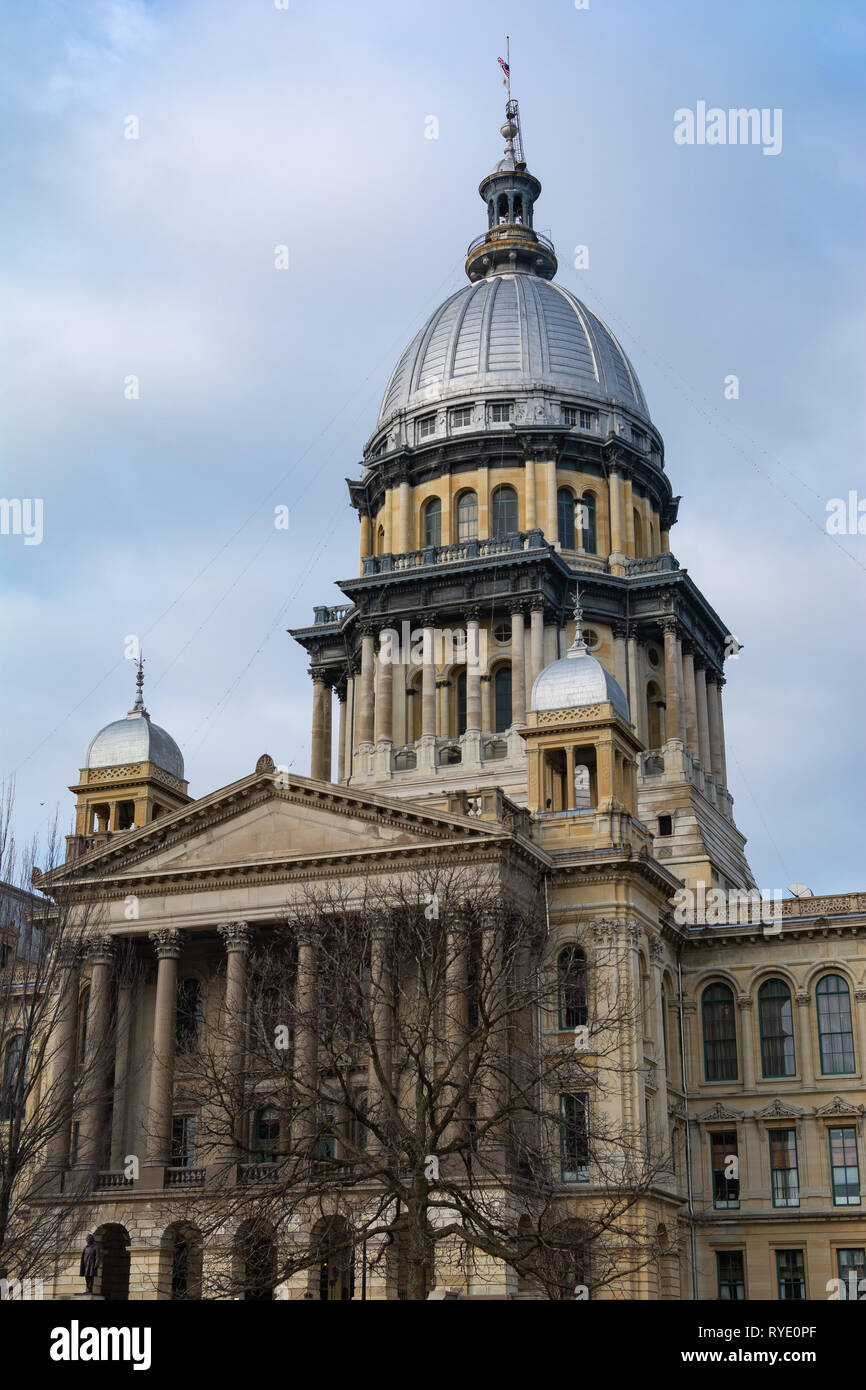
x=432, y=518
x=588, y=523
x=505, y=516
x=565, y=518
x=655, y=712
x=502, y=215
x=835, y=1031
x=776, y=1019
x=502, y=699
x=380, y=541
x=518, y=210
x=467, y=516
x=638, y=533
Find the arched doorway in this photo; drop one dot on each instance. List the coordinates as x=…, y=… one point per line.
x=113, y=1281
x=180, y=1265
x=255, y=1261
x=332, y=1276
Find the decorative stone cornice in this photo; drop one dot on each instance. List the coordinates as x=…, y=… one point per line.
x=167, y=942
x=717, y=1112
x=235, y=935
x=778, y=1110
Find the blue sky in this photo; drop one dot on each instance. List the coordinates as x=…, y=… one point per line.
x=306, y=127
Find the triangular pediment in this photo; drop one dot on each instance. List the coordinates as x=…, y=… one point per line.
x=267, y=820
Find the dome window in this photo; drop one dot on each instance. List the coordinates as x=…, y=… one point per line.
x=569, y=415
x=565, y=509
x=425, y=427
x=587, y=419
x=467, y=517
x=461, y=417
x=500, y=412
x=502, y=699
x=502, y=634
x=432, y=529
x=589, y=528
x=505, y=518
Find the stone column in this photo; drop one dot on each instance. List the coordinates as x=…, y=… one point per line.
x=236, y=939
x=617, y=533
x=428, y=682
x=456, y=1022
x=713, y=706
x=620, y=667
x=747, y=1051
x=96, y=1057
x=550, y=488
x=690, y=700
x=366, y=547
x=306, y=1036
x=703, y=716
x=473, y=675
x=384, y=711
x=366, y=698
x=61, y=1058
x=628, y=516
x=804, y=1018
x=536, y=642
x=518, y=667
x=405, y=513
x=319, y=752
x=719, y=685
x=122, y=1045
x=487, y=720
x=570, y=797
x=381, y=1022
x=341, y=733
x=529, y=477
x=443, y=721
x=673, y=682
x=168, y=944
x=493, y=1097
x=636, y=700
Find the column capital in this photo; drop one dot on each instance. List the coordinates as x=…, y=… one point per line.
x=745, y=1002
x=517, y=607
x=318, y=676
x=167, y=942
x=100, y=949
x=670, y=624
x=619, y=628
x=235, y=935
x=472, y=614
x=428, y=619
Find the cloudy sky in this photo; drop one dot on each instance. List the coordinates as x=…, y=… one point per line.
x=260, y=126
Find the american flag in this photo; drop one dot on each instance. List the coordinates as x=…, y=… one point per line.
x=504, y=66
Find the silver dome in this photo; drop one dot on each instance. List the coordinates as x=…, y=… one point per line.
x=575, y=681
x=135, y=740
x=508, y=333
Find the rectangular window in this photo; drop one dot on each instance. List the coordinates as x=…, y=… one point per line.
x=638, y=439
x=461, y=416
x=783, y=1168
x=587, y=419
x=844, y=1166
x=574, y=1138
x=851, y=1265
x=182, y=1140
x=425, y=427
x=731, y=1274
x=569, y=415
x=500, y=412
x=791, y=1274
x=726, y=1169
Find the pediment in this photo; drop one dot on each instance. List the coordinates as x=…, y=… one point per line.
x=263, y=822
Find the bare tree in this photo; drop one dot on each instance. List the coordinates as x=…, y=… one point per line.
x=55, y=1074
x=399, y=1085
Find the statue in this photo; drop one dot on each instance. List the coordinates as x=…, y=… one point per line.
x=90, y=1261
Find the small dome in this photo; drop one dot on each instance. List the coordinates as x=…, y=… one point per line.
x=135, y=739
x=575, y=681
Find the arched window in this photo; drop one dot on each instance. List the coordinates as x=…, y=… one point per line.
x=188, y=1017
x=502, y=699
x=720, y=1033
x=776, y=1018
x=461, y=703
x=588, y=523
x=380, y=541
x=467, y=517
x=565, y=517
x=835, y=1032
x=571, y=974
x=505, y=521
x=655, y=706
x=81, y=1025
x=266, y=1134
x=432, y=522
x=638, y=532
x=13, y=1084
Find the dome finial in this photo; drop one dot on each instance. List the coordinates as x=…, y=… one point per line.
x=578, y=646
x=138, y=707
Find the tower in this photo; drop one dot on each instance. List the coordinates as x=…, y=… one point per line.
x=133, y=773
x=515, y=454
